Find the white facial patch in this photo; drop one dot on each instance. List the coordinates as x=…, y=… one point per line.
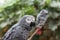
x=30, y=19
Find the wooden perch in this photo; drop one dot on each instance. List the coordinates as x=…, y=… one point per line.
x=32, y=35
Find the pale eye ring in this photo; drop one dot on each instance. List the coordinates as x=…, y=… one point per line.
x=28, y=20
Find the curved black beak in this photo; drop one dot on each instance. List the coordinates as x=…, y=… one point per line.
x=32, y=24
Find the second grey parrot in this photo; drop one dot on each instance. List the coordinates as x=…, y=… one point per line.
x=42, y=17
x=20, y=30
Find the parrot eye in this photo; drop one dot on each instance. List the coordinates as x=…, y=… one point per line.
x=30, y=19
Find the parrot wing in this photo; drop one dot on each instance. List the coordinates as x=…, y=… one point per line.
x=14, y=33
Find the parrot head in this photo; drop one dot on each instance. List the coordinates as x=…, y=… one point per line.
x=27, y=21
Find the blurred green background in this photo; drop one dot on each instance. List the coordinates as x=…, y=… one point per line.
x=12, y=10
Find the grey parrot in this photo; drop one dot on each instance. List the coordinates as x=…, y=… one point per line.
x=21, y=29
x=42, y=17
